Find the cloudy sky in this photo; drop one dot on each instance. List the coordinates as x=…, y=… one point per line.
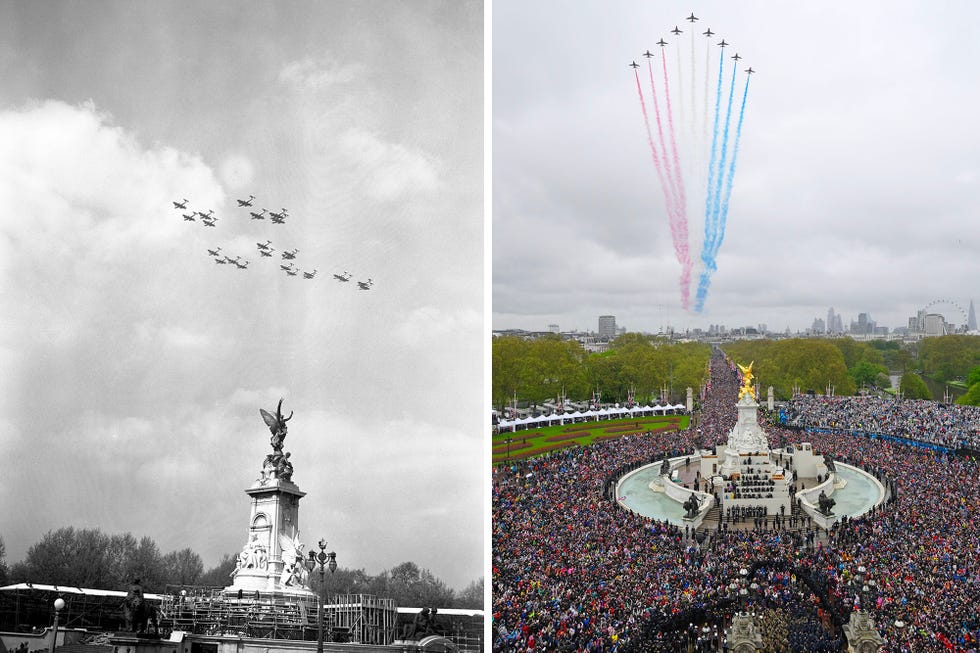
x=134, y=367
x=856, y=182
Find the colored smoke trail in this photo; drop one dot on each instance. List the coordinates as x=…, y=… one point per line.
x=708, y=224
x=668, y=200
x=675, y=196
x=680, y=236
x=705, y=280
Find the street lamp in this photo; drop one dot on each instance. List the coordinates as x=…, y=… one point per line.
x=59, y=604
x=326, y=561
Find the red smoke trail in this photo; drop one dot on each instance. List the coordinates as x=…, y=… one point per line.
x=675, y=209
x=681, y=217
x=653, y=148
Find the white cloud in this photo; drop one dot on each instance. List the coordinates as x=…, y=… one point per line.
x=388, y=170
x=317, y=74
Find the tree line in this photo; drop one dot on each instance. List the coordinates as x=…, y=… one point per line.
x=543, y=369
x=93, y=559
x=546, y=368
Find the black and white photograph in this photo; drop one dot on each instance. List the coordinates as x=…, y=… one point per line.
x=241, y=266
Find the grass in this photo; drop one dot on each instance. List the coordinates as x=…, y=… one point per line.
x=535, y=442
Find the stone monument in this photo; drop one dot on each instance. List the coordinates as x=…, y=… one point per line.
x=271, y=560
x=862, y=636
x=744, y=636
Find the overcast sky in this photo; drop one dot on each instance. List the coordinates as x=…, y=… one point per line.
x=134, y=367
x=857, y=176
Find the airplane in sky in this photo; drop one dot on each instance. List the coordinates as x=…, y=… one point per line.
x=241, y=266
x=310, y=275
x=291, y=272
x=287, y=268
x=266, y=252
x=188, y=216
x=749, y=70
x=342, y=277
x=214, y=252
x=723, y=44
x=264, y=245
x=278, y=218
x=677, y=30
x=209, y=222
x=647, y=54
x=247, y=202
x=709, y=33
x=365, y=285
x=205, y=216
x=661, y=43
x=634, y=65
x=692, y=17
x=736, y=57
x=290, y=255
x=180, y=205
x=257, y=216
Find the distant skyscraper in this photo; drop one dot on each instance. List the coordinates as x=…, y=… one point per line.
x=607, y=327
x=553, y=328
x=818, y=326
x=971, y=320
x=831, y=321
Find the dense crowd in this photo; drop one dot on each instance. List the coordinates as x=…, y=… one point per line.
x=573, y=571
x=950, y=425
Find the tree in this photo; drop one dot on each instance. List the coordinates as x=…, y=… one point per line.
x=866, y=373
x=471, y=597
x=182, y=567
x=971, y=397
x=914, y=387
x=3, y=563
x=411, y=586
x=220, y=574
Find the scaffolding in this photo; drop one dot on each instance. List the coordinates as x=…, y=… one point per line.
x=362, y=618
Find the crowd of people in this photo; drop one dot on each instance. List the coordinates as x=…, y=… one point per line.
x=950, y=425
x=573, y=571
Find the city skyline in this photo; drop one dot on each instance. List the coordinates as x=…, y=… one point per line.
x=855, y=168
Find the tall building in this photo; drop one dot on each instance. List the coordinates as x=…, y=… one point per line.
x=553, y=328
x=832, y=321
x=971, y=320
x=607, y=327
x=818, y=326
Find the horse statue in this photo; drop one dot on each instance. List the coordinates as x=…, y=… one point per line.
x=825, y=503
x=692, y=505
x=138, y=613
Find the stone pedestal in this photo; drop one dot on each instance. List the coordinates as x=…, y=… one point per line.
x=744, y=636
x=273, y=523
x=862, y=636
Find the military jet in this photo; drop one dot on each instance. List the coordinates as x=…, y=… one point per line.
x=181, y=205
x=692, y=17
x=229, y=259
x=709, y=33
x=647, y=54
x=634, y=65
x=661, y=43
x=188, y=216
x=365, y=285
x=266, y=252
x=291, y=272
x=290, y=255
x=264, y=245
x=677, y=30
x=221, y=261
x=723, y=44
x=309, y=275
x=257, y=216
x=241, y=266
x=205, y=215
x=209, y=222
x=287, y=268
x=736, y=57
x=278, y=218
x=215, y=251
x=342, y=277
x=749, y=70
x=247, y=202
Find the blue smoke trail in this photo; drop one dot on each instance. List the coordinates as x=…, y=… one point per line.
x=708, y=226
x=731, y=169
x=710, y=247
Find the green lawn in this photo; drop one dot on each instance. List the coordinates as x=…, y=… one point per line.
x=534, y=442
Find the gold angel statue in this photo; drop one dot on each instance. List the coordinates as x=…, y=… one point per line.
x=747, y=377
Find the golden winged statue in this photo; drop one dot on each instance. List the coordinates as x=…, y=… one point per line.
x=747, y=377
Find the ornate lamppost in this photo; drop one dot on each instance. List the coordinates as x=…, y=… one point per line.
x=59, y=604
x=326, y=561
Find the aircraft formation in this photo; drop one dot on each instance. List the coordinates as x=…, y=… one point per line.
x=694, y=149
x=286, y=258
